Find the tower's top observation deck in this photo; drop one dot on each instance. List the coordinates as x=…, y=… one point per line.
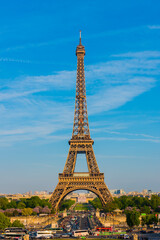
x=80, y=48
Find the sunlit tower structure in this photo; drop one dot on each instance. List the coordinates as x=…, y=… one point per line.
x=80, y=143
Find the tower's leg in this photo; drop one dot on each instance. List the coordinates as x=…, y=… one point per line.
x=56, y=197
x=71, y=161
x=91, y=161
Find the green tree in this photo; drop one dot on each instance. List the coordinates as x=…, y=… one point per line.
x=155, y=202
x=3, y=203
x=110, y=207
x=146, y=209
x=96, y=203
x=143, y=220
x=15, y=213
x=151, y=219
x=146, y=202
x=124, y=202
x=4, y=221
x=27, y=212
x=21, y=205
x=17, y=223
x=12, y=204
x=33, y=202
x=66, y=204
x=129, y=201
x=133, y=218
x=45, y=202
x=135, y=201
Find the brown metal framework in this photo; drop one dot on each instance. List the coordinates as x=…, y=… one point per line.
x=80, y=142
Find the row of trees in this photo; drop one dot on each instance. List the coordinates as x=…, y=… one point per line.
x=30, y=206
x=22, y=203
x=5, y=222
x=133, y=218
x=142, y=204
x=149, y=219
x=133, y=207
x=10, y=212
x=25, y=206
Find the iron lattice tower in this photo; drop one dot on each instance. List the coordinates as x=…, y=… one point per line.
x=80, y=142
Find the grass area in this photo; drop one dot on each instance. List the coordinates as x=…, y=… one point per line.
x=82, y=207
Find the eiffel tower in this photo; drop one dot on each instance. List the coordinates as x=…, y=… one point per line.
x=81, y=142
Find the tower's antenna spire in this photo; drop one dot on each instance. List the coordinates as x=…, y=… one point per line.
x=80, y=37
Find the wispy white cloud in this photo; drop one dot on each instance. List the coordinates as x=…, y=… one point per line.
x=142, y=135
x=117, y=96
x=154, y=26
x=9, y=140
x=100, y=156
x=110, y=85
x=11, y=94
x=139, y=68
x=60, y=80
x=125, y=136
x=127, y=139
x=141, y=55
x=70, y=39
x=14, y=60
x=38, y=44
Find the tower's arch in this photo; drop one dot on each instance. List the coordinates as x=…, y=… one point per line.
x=76, y=181
x=93, y=190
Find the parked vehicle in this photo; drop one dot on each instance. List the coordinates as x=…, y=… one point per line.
x=124, y=236
x=14, y=233
x=43, y=234
x=79, y=233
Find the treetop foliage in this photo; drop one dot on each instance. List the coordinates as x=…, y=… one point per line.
x=23, y=206
x=66, y=204
x=24, y=203
x=133, y=218
x=17, y=223
x=4, y=221
x=128, y=203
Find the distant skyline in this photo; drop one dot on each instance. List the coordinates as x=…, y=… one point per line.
x=35, y=192
x=38, y=40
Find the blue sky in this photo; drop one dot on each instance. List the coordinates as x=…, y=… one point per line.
x=38, y=40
